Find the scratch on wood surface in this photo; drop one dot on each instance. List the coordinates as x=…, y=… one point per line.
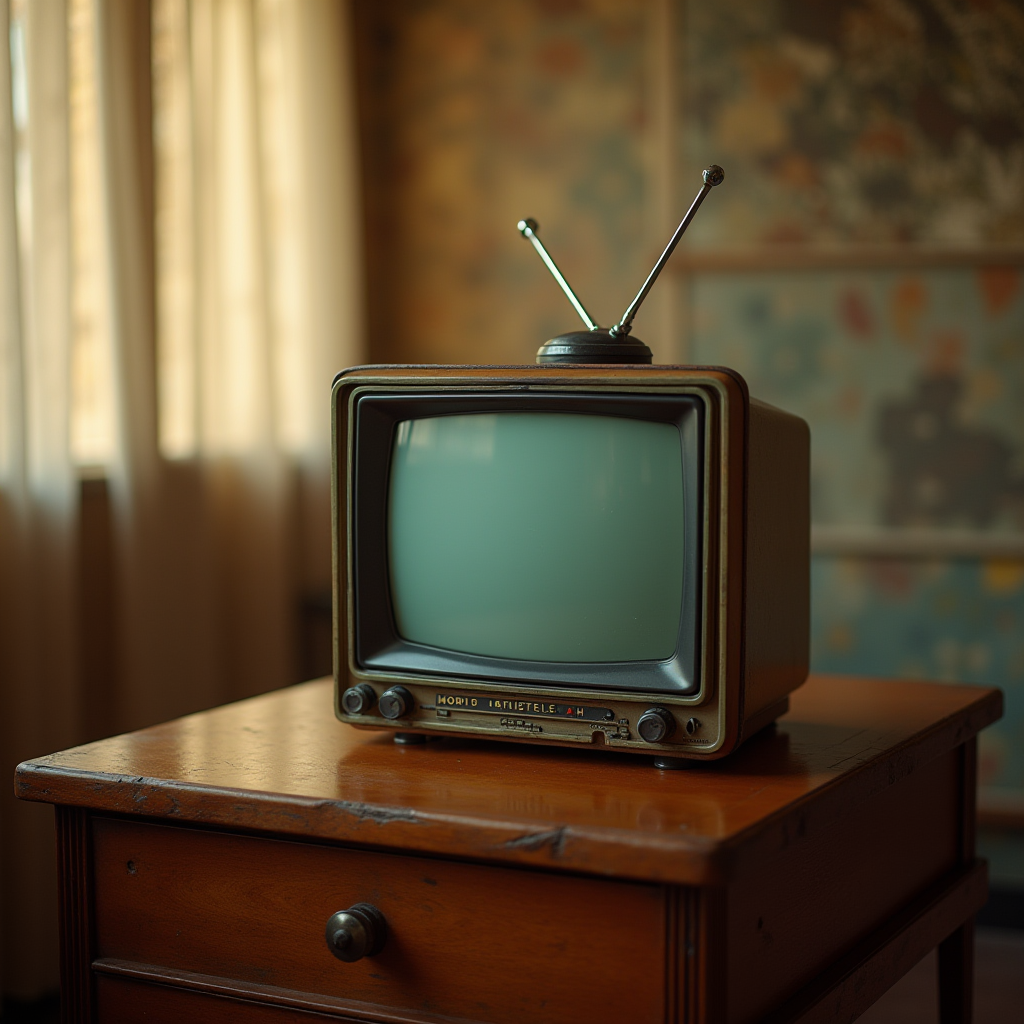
x=144, y=794
x=381, y=815
x=555, y=838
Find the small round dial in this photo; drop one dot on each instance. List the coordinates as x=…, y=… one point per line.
x=655, y=725
x=396, y=702
x=359, y=700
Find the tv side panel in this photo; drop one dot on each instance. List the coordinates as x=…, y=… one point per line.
x=777, y=596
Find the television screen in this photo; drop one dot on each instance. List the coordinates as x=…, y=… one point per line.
x=537, y=536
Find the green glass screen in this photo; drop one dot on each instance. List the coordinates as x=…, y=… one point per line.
x=537, y=536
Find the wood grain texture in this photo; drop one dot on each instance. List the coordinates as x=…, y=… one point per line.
x=704, y=920
x=126, y=1001
x=129, y=991
x=74, y=907
x=464, y=940
x=854, y=981
x=805, y=906
x=956, y=951
x=282, y=763
x=202, y=858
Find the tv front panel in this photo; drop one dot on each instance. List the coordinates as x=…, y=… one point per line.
x=568, y=554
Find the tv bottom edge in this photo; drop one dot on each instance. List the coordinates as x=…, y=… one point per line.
x=641, y=723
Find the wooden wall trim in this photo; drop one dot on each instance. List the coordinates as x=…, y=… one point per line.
x=915, y=542
x=1000, y=808
x=793, y=258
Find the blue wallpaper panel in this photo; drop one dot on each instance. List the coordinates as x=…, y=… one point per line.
x=956, y=621
x=913, y=384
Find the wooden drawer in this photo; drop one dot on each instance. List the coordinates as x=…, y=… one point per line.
x=465, y=940
x=126, y=1000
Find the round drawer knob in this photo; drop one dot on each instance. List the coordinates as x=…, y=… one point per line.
x=357, y=932
x=396, y=702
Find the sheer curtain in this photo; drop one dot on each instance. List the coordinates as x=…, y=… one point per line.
x=179, y=266
x=38, y=496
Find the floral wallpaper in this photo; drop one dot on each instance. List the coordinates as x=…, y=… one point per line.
x=913, y=383
x=879, y=123
x=857, y=121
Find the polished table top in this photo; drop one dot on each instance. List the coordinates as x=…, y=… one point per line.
x=282, y=763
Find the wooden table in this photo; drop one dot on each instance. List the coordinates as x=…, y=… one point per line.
x=795, y=880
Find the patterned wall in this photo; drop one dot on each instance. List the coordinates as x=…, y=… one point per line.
x=913, y=382
x=867, y=121
x=874, y=123
x=914, y=388
x=479, y=115
x=879, y=124
x=956, y=620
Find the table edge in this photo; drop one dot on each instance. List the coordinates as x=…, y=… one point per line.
x=674, y=859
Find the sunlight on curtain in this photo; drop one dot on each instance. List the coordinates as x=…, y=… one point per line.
x=17, y=233
x=39, y=700
x=223, y=497
x=257, y=278
x=231, y=102
x=92, y=386
x=175, y=229
x=179, y=283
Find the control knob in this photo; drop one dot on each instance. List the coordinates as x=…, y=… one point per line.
x=655, y=725
x=396, y=702
x=358, y=700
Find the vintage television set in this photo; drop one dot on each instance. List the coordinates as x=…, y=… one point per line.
x=592, y=551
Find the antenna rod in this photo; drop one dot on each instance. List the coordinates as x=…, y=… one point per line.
x=713, y=175
x=528, y=229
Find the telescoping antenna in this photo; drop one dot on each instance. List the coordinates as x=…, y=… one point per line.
x=600, y=344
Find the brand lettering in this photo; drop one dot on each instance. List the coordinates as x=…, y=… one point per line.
x=527, y=706
x=450, y=701
x=524, y=707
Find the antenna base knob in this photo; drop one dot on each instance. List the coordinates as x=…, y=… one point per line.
x=598, y=346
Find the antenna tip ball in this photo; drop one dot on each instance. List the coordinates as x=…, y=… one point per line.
x=527, y=225
x=714, y=175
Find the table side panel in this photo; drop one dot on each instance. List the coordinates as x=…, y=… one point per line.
x=465, y=940
x=808, y=904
